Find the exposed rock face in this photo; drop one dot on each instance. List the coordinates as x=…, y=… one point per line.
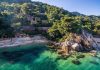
x=78, y=43
x=68, y=46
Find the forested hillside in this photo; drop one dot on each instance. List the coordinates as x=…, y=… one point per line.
x=37, y=14
x=15, y=1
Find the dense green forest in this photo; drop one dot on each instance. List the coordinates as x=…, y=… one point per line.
x=37, y=14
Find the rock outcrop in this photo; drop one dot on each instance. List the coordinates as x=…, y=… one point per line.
x=77, y=43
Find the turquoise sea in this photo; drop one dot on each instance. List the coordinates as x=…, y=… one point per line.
x=39, y=57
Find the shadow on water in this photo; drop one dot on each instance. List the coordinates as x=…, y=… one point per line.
x=15, y=56
x=94, y=62
x=45, y=64
x=30, y=57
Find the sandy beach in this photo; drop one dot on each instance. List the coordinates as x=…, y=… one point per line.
x=22, y=41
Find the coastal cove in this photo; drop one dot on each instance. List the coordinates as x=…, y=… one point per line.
x=37, y=35
x=39, y=57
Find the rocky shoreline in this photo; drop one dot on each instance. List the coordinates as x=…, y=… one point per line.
x=63, y=48
x=78, y=43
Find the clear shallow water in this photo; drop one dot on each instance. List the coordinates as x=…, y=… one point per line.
x=38, y=57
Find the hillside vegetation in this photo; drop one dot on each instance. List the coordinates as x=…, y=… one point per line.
x=37, y=14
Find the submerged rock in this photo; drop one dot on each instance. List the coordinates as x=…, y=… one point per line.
x=77, y=62
x=62, y=57
x=80, y=56
x=94, y=62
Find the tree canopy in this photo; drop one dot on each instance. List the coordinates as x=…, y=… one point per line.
x=60, y=21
